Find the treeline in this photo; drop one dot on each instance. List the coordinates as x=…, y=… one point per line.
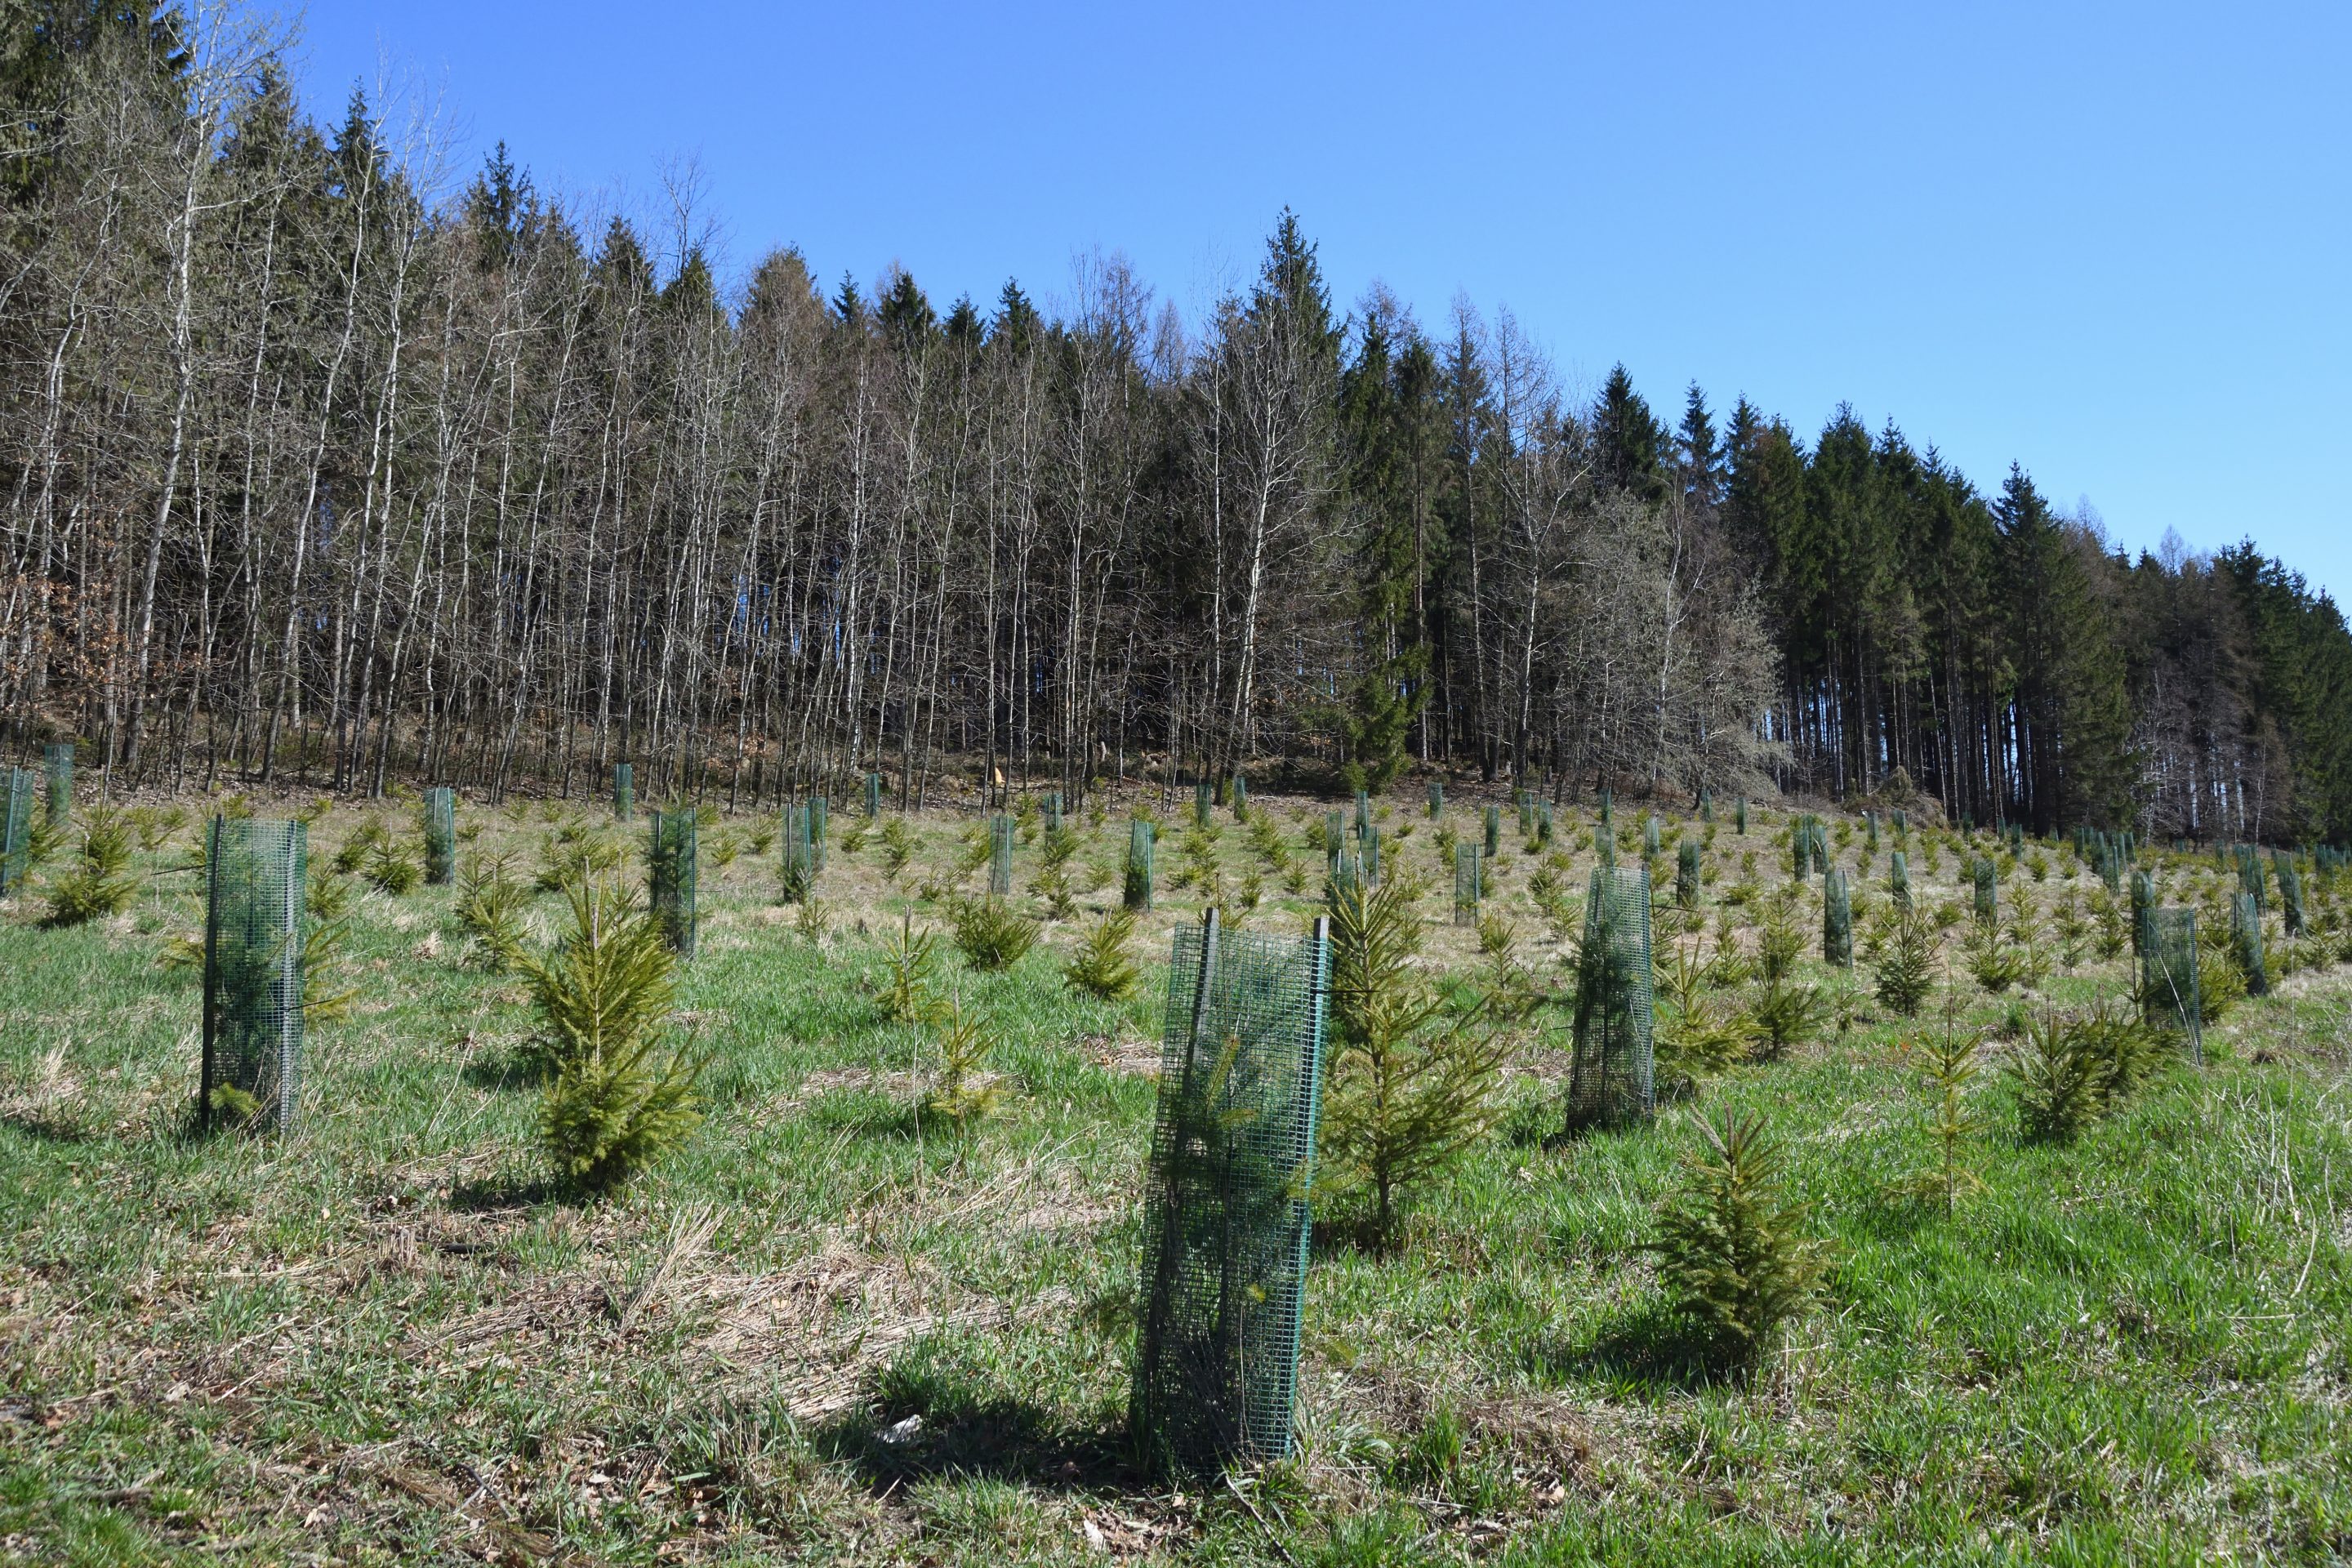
x=314, y=477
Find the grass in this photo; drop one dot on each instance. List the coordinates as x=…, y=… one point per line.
x=825, y=1331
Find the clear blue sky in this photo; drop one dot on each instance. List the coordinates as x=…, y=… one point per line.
x=2110, y=242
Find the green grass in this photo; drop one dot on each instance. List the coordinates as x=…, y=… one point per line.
x=382, y=1338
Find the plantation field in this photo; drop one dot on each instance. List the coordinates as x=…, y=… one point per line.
x=835, y=1326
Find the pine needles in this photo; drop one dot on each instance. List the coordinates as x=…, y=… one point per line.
x=1734, y=1247
x=99, y=886
x=990, y=935
x=620, y=1096
x=1101, y=967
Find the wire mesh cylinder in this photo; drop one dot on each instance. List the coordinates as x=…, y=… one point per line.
x=1335, y=836
x=1902, y=822
x=1837, y=919
x=1610, y=1069
x=1740, y=816
x=1053, y=809
x=1988, y=889
x=1494, y=838
x=58, y=762
x=2168, y=986
x=1898, y=880
x=1707, y=804
x=1137, y=892
x=16, y=832
x=1363, y=811
x=673, y=866
x=1436, y=797
x=1203, y=802
x=2289, y=887
x=625, y=790
x=1226, y=1203
x=254, y=874
x=440, y=836
x=1372, y=855
x=1543, y=821
x=1869, y=831
x=1468, y=884
x=1000, y=855
x=1649, y=838
x=1526, y=805
x=820, y=819
x=1241, y=797
x=873, y=795
x=2246, y=943
x=1608, y=809
x=2143, y=900
x=1686, y=874
x=797, y=875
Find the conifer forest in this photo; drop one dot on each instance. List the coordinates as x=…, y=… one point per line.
x=323, y=469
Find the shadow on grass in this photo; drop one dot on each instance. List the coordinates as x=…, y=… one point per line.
x=1650, y=1350
x=505, y=1069
x=934, y=1419
x=505, y=1191
x=47, y=1127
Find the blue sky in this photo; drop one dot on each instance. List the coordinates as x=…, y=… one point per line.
x=2112, y=243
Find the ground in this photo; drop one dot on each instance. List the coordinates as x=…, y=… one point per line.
x=828, y=1330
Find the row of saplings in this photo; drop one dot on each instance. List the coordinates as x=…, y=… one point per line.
x=1416, y=1060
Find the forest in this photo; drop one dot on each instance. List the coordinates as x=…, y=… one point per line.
x=323, y=468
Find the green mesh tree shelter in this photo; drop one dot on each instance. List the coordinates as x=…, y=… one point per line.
x=1000, y=855
x=1819, y=841
x=1052, y=804
x=1604, y=844
x=1227, y=1212
x=820, y=819
x=1650, y=840
x=1526, y=805
x=1902, y=821
x=59, y=760
x=799, y=868
x=2111, y=870
x=1348, y=869
x=2142, y=898
x=1898, y=878
x=1800, y=849
x=440, y=836
x=1608, y=810
x=1494, y=837
x=1436, y=797
x=2246, y=941
x=1609, y=1082
x=16, y=832
x=625, y=790
x=1837, y=919
x=2252, y=881
x=1372, y=854
x=1686, y=874
x=1870, y=830
x=672, y=874
x=1706, y=804
x=2289, y=887
x=254, y=875
x=1137, y=892
x=1739, y=815
x=2168, y=972
x=1468, y=884
x=873, y=795
x=1241, y=796
x=1543, y=821
x=1363, y=811
x=1988, y=889
x=1204, y=802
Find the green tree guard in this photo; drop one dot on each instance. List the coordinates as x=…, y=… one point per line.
x=1987, y=902
x=2169, y=998
x=1241, y=797
x=1611, y=1068
x=1706, y=804
x=1137, y=892
x=1227, y=1201
x=1902, y=823
x=440, y=836
x=1649, y=838
x=1467, y=884
x=255, y=873
x=2289, y=887
x=1740, y=816
x=1436, y=798
x=625, y=790
x=1335, y=835
x=799, y=871
x=1898, y=878
x=59, y=761
x=1686, y=874
x=1837, y=919
x=1052, y=804
x=16, y=832
x=873, y=795
x=1202, y=803
x=1494, y=841
x=2143, y=900
x=2246, y=936
x=820, y=820
x=1372, y=854
x=1543, y=821
x=1363, y=811
x=1527, y=803
x=673, y=873
x=1000, y=855
x=1869, y=831
x=1608, y=810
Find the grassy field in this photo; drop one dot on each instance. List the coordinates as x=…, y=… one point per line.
x=827, y=1331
